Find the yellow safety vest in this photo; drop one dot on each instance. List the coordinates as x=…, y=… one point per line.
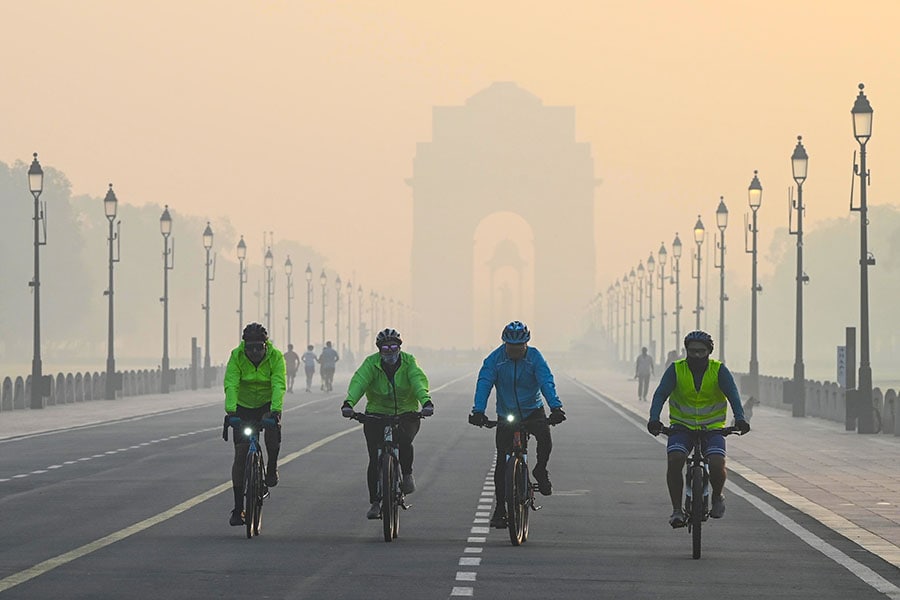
x=704, y=409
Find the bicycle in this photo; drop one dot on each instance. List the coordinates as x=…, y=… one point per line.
x=388, y=489
x=519, y=489
x=255, y=490
x=697, y=487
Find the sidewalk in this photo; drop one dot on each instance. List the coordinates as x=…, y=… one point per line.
x=849, y=482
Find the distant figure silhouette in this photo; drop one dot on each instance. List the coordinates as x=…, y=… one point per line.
x=292, y=363
x=327, y=362
x=748, y=407
x=309, y=365
x=643, y=369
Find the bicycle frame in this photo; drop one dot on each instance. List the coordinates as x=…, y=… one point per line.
x=255, y=490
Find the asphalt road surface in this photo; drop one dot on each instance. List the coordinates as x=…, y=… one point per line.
x=138, y=508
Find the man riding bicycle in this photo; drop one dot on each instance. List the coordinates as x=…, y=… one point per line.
x=393, y=384
x=696, y=388
x=522, y=378
x=254, y=389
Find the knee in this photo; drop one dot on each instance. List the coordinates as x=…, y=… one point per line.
x=676, y=460
x=716, y=462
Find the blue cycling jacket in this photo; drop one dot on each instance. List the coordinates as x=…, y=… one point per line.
x=521, y=384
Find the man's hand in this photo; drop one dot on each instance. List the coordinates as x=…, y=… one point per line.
x=557, y=416
x=346, y=410
x=478, y=419
x=654, y=427
x=275, y=415
x=428, y=409
x=742, y=426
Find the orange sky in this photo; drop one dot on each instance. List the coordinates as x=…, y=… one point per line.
x=302, y=117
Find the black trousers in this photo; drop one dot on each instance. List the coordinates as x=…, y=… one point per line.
x=242, y=445
x=537, y=425
x=406, y=433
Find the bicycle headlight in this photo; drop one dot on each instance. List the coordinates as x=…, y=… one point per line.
x=248, y=431
x=510, y=418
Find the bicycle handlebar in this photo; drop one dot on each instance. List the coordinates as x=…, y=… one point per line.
x=723, y=431
x=236, y=422
x=371, y=417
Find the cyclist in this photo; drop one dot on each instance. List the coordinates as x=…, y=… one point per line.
x=393, y=384
x=292, y=363
x=522, y=378
x=696, y=388
x=327, y=361
x=254, y=389
x=309, y=365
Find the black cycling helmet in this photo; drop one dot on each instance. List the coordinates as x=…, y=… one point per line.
x=699, y=336
x=254, y=332
x=388, y=335
x=516, y=333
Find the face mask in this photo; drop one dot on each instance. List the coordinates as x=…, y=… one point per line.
x=390, y=358
x=255, y=351
x=696, y=363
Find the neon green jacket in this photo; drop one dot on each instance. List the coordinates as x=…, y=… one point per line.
x=703, y=409
x=410, y=389
x=252, y=387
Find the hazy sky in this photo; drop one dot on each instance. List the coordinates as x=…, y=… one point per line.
x=303, y=117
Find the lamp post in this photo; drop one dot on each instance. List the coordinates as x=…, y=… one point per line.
x=640, y=285
x=699, y=233
x=651, y=271
x=721, y=223
x=619, y=335
x=349, y=317
x=337, y=313
x=309, y=299
x=242, y=279
x=165, y=227
x=110, y=208
x=36, y=185
x=754, y=193
x=862, y=131
x=663, y=255
x=269, y=262
x=359, y=317
x=289, y=273
x=323, y=279
x=799, y=165
x=207, y=244
x=676, y=254
x=382, y=304
x=631, y=277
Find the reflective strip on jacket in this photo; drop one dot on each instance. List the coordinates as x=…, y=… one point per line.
x=409, y=391
x=250, y=386
x=703, y=409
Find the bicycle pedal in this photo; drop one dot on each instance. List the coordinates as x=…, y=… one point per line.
x=405, y=506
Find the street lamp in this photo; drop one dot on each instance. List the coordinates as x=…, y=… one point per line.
x=289, y=272
x=676, y=254
x=721, y=223
x=323, y=279
x=620, y=336
x=207, y=244
x=799, y=165
x=110, y=208
x=242, y=279
x=349, y=317
x=39, y=387
x=862, y=131
x=610, y=306
x=640, y=284
x=663, y=255
x=651, y=269
x=338, y=286
x=699, y=233
x=269, y=262
x=631, y=277
x=754, y=193
x=309, y=299
x=359, y=317
x=165, y=227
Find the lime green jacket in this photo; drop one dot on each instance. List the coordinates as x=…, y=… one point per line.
x=410, y=389
x=250, y=386
x=697, y=409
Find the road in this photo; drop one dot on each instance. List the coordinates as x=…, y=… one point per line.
x=137, y=507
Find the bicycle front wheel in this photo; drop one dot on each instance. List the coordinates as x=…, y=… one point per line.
x=696, y=508
x=516, y=510
x=250, y=495
x=260, y=492
x=388, y=498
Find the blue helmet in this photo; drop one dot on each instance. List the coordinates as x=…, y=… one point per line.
x=516, y=333
x=699, y=336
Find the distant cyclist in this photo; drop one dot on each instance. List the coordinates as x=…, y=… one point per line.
x=309, y=360
x=327, y=362
x=697, y=388
x=522, y=379
x=393, y=384
x=254, y=389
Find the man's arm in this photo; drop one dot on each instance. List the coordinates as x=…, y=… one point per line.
x=484, y=385
x=728, y=387
x=663, y=391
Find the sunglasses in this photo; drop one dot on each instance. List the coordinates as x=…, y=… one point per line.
x=390, y=348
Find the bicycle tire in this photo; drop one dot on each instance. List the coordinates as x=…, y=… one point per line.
x=526, y=500
x=387, y=496
x=395, y=523
x=696, y=510
x=260, y=478
x=249, y=493
x=514, y=502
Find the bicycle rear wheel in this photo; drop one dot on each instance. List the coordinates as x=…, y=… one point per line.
x=388, y=499
x=696, y=508
x=260, y=486
x=250, y=496
x=516, y=510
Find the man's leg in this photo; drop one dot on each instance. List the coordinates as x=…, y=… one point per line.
x=540, y=429
x=237, y=478
x=406, y=433
x=273, y=447
x=715, y=453
x=374, y=435
x=503, y=443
